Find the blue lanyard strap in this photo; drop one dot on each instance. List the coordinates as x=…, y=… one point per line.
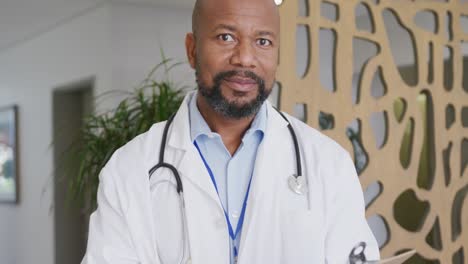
x=244, y=205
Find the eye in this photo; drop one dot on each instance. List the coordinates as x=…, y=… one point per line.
x=264, y=42
x=226, y=37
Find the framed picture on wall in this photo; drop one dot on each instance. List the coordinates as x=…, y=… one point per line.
x=8, y=155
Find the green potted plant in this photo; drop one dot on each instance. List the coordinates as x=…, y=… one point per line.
x=102, y=134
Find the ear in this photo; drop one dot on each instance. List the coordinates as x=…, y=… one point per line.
x=190, y=48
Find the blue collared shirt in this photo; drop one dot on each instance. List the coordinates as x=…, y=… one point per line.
x=231, y=173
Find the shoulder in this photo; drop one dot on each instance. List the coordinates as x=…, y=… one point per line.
x=312, y=140
x=324, y=158
x=134, y=156
x=141, y=146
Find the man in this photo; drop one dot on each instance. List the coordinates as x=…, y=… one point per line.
x=235, y=156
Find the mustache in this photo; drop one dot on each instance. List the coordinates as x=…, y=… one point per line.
x=244, y=74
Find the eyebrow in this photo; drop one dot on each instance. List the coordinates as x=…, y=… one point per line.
x=266, y=33
x=224, y=26
x=233, y=29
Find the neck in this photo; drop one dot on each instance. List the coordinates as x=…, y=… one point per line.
x=231, y=130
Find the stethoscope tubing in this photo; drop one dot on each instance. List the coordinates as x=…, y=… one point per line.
x=162, y=164
x=296, y=145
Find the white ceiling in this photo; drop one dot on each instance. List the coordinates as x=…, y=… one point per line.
x=21, y=20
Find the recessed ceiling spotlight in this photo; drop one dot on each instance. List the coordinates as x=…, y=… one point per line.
x=278, y=2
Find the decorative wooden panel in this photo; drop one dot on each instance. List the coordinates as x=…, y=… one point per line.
x=398, y=67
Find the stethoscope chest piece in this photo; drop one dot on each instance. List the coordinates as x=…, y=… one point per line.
x=298, y=184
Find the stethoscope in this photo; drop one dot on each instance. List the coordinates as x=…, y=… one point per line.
x=357, y=256
x=296, y=182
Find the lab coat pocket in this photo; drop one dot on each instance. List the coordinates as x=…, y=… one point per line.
x=302, y=238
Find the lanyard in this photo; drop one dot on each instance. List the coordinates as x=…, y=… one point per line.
x=244, y=205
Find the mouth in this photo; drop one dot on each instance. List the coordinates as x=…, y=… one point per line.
x=241, y=84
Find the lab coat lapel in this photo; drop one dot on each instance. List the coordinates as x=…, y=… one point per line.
x=271, y=154
x=190, y=165
x=209, y=240
x=260, y=241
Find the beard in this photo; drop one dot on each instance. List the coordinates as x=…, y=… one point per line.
x=233, y=109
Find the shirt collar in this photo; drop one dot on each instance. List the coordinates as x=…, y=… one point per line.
x=199, y=127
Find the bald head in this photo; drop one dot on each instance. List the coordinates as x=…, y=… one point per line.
x=234, y=50
x=206, y=8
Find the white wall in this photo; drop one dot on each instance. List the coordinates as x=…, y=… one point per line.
x=117, y=44
x=138, y=34
x=28, y=73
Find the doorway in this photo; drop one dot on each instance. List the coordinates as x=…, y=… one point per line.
x=71, y=103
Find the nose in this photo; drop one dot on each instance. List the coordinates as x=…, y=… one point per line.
x=244, y=56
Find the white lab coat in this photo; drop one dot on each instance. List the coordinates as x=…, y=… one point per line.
x=137, y=220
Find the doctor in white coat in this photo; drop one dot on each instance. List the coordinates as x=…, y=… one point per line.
x=141, y=217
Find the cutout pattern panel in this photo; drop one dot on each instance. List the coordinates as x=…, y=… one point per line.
x=388, y=81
